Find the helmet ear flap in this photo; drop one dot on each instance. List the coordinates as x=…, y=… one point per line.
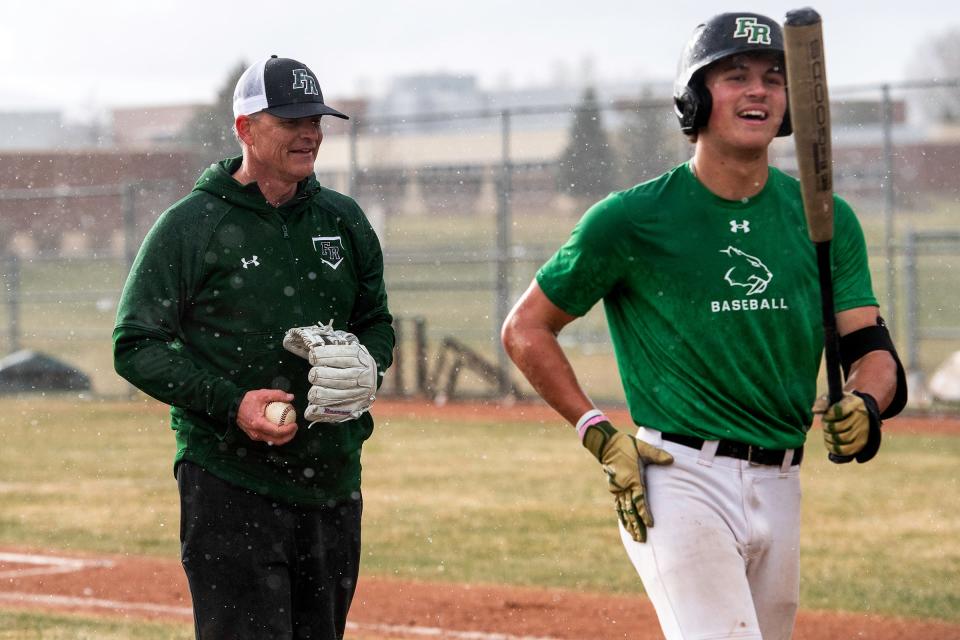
x=692, y=107
x=706, y=104
x=685, y=106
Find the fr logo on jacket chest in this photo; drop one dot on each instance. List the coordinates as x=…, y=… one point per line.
x=330, y=249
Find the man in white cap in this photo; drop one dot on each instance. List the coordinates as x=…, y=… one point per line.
x=270, y=514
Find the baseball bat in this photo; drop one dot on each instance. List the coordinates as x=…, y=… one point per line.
x=810, y=116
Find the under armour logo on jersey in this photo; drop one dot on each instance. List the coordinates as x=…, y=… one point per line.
x=253, y=262
x=743, y=226
x=755, y=32
x=330, y=249
x=305, y=81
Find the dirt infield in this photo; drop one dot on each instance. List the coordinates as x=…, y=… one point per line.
x=150, y=588
x=392, y=609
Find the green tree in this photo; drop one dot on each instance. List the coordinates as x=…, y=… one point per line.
x=586, y=166
x=210, y=130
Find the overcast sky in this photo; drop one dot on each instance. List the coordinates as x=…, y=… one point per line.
x=83, y=56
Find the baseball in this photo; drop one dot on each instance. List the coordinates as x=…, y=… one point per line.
x=280, y=413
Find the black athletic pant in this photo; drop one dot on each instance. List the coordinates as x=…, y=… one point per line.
x=260, y=569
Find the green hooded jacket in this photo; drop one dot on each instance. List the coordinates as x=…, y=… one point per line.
x=216, y=284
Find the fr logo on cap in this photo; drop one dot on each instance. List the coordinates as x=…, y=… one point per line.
x=282, y=87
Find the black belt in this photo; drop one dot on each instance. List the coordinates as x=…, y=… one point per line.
x=739, y=450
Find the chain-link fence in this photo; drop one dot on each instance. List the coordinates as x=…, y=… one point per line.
x=931, y=303
x=476, y=202
x=468, y=205
x=65, y=256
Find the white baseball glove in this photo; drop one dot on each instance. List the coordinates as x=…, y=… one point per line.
x=302, y=339
x=343, y=373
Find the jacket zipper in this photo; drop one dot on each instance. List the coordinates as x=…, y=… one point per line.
x=294, y=264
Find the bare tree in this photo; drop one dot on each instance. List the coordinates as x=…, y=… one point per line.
x=939, y=59
x=210, y=130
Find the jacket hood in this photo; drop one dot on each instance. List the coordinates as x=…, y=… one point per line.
x=218, y=180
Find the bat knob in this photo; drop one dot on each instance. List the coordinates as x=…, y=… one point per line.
x=802, y=17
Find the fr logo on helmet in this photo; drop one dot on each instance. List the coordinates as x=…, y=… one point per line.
x=755, y=32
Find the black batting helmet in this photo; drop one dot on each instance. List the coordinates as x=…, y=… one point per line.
x=720, y=37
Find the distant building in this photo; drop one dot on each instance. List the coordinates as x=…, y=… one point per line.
x=77, y=202
x=434, y=143
x=151, y=127
x=423, y=95
x=428, y=102
x=45, y=129
x=30, y=130
x=356, y=108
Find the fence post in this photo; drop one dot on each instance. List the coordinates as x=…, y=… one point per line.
x=914, y=372
x=129, y=223
x=420, y=339
x=130, y=247
x=354, y=161
x=889, y=204
x=504, y=243
x=399, y=388
x=12, y=276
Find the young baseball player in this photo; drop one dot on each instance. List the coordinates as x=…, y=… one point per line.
x=709, y=283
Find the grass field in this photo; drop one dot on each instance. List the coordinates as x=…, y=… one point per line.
x=474, y=502
x=465, y=502
x=37, y=626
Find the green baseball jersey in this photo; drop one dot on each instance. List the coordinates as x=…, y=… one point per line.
x=218, y=281
x=713, y=305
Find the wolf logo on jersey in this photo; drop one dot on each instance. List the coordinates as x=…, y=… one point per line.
x=748, y=272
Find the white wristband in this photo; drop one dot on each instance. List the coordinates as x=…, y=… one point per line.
x=592, y=413
x=592, y=416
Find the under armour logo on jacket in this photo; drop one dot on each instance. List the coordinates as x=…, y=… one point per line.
x=743, y=226
x=252, y=262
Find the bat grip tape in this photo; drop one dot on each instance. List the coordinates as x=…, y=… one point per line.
x=831, y=339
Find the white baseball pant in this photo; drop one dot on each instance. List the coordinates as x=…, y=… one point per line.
x=723, y=557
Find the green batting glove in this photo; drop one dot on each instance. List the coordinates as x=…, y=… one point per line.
x=623, y=458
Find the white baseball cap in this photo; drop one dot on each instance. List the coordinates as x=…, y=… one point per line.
x=282, y=87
